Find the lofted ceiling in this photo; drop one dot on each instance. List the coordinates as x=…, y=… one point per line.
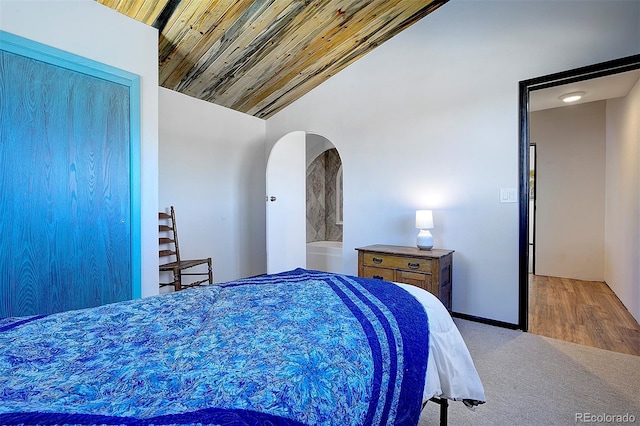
x=258, y=56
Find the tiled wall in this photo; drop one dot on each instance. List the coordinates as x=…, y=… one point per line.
x=321, y=198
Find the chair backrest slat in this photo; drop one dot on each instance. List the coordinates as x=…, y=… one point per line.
x=169, y=239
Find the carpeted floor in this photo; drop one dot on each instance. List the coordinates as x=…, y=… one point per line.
x=535, y=380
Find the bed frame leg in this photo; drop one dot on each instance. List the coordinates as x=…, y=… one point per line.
x=444, y=409
x=444, y=412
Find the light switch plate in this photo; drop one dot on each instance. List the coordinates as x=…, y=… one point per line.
x=508, y=195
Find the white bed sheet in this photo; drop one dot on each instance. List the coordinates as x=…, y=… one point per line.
x=451, y=373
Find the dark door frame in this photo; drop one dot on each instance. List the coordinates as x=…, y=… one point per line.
x=526, y=87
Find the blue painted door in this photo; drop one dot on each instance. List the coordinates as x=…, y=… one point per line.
x=64, y=189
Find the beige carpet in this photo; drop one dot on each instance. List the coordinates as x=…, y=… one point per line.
x=535, y=380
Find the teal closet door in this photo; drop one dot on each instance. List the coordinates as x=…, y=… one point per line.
x=65, y=228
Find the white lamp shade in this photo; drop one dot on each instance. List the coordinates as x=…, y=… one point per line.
x=424, y=219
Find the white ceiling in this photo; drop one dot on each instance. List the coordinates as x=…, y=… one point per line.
x=596, y=89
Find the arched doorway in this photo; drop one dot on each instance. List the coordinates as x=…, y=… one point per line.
x=287, y=199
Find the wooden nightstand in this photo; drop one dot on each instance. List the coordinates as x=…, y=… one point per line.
x=427, y=269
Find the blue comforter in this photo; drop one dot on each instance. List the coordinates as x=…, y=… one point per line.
x=301, y=347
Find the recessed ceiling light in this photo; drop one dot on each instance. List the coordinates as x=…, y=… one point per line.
x=572, y=97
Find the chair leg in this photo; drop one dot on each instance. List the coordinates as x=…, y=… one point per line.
x=210, y=271
x=177, y=280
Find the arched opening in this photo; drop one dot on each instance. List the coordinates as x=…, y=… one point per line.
x=324, y=225
x=287, y=195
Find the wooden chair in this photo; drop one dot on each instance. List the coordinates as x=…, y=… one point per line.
x=169, y=248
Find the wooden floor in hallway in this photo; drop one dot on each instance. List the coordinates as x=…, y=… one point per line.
x=584, y=312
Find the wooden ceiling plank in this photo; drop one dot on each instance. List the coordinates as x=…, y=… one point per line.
x=194, y=45
x=150, y=10
x=121, y=5
x=238, y=44
x=272, y=43
x=322, y=49
x=307, y=80
x=283, y=54
x=254, y=70
x=129, y=7
x=185, y=20
x=180, y=23
x=187, y=50
x=109, y=3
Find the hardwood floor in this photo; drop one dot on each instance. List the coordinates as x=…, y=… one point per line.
x=584, y=312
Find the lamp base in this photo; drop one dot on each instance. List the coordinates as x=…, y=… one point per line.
x=424, y=241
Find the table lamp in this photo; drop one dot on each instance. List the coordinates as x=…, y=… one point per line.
x=424, y=222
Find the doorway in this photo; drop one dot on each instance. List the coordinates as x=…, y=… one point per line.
x=323, y=205
x=558, y=80
x=287, y=219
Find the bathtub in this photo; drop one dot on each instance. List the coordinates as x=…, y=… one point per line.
x=325, y=256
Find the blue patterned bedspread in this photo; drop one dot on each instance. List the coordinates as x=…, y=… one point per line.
x=301, y=347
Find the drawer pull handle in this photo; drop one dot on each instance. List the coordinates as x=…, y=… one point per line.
x=377, y=260
x=378, y=277
x=413, y=265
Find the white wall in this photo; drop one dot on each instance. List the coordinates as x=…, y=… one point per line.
x=88, y=29
x=430, y=120
x=622, y=215
x=570, y=190
x=211, y=165
x=427, y=120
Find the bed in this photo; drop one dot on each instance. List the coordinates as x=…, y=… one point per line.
x=297, y=348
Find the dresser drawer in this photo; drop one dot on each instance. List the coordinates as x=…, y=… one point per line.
x=417, y=279
x=379, y=273
x=397, y=262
